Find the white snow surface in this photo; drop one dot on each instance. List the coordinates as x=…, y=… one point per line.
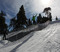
x=46, y=40
x=30, y=28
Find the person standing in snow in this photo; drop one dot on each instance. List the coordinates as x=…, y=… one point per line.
x=33, y=19
x=4, y=34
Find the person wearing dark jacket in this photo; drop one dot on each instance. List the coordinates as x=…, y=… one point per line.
x=4, y=35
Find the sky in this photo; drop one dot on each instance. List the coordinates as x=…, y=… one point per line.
x=32, y=7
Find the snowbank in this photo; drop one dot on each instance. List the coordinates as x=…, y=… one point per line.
x=3, y=43
x=28, y=30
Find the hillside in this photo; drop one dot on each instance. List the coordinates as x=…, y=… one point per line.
x=16, y=35
x=46, y=40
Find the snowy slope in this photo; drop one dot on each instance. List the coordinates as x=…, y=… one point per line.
x=46, y=40
x=13, y=36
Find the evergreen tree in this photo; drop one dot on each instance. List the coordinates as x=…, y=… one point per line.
x=3, y=25
x=21, y=18
x=44, y=19
x=46, y=11
x=39, y=19
x=13, y=23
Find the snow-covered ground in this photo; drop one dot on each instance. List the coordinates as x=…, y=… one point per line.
x=46, y=40
x=30, y=28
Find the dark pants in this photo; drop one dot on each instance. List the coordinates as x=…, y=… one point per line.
x=34, y=22
x=4, y=37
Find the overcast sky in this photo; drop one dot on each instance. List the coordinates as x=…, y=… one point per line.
x=11, y=7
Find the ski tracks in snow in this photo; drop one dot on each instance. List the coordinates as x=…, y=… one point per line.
x=35, y=45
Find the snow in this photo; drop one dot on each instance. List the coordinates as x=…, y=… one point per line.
x=24, y=26
x=3, y=42
x=46, y=40
x=33, y=27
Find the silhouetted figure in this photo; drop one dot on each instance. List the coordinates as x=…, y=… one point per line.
x=33, y=19
x=5, y=32
x=56, y=18
x=3, y=25
x=50, y=17
x=39, y=19
x=29, y=22
x=4, y=35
